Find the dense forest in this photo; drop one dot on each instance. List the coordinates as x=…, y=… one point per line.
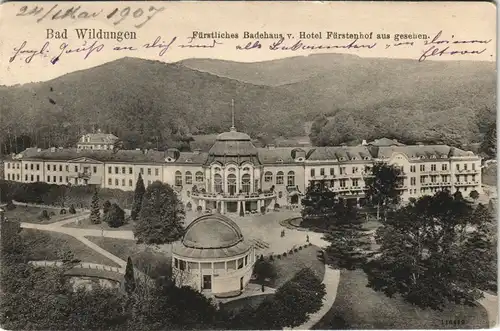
x=150, y=104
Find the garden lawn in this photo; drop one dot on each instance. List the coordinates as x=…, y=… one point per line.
x=45, y=245
x=30, y=214
x=288, y=266
x=155, y=261
x=86, y=224
x=359, y=307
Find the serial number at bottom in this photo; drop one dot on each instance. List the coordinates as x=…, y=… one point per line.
x=452, y=322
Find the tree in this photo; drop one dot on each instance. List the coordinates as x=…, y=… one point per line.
x=474, y=194
x=161, y=217
x=129, y=277
x=318, y=206
x=347, y=237
x=382, y=186
x=105, y=207
x=115, y=217
x=138, y=196
x=429, y=253
x=72, y=209
x=264, y=270
x=489, y=144
x=95, y=212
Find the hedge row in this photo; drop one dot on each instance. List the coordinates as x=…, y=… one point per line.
x=285, y=254
x=61, y=195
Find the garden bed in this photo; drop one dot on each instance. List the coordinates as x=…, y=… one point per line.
x=30, y=214
x=50, y=246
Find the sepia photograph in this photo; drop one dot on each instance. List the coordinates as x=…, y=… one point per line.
x=248, y=166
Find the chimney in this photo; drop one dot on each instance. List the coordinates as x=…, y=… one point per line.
x=364, y=143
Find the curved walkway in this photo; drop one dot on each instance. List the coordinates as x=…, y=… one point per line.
x=490, y=304
x=80, y=265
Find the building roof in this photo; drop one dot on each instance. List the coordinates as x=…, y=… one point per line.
x=233, y=143
x=385, y=142
x=211, y=236
x=98, y=138
x=420, y=151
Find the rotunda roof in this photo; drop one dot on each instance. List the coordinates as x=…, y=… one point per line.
x=212, y=231
x=233, y=143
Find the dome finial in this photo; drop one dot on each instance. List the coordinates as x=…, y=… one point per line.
x=233, y=129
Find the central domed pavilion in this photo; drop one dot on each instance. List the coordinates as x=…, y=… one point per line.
x=213, y=257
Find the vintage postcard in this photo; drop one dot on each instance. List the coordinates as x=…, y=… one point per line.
x=248, y=165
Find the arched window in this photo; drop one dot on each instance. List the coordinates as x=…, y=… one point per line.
x=231, y=184
x=279, y=178
x=291, y=178
x=218, y=183
x=199, y=177
x=189, y=177
x=178, y=178
x=268, y=177
x=245, y=183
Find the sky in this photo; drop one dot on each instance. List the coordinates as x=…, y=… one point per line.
x=23, y=32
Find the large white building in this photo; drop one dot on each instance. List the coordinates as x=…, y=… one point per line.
x=234, y=175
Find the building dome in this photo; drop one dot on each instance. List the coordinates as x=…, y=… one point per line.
x=212, y=231
x=233, y=146
x=211, y=236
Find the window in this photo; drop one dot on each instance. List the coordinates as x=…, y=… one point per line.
x=189, y=177
x=412, y=168
x=17, y=166
x=473, y=166
x=8, y=176
x=240, y=263
x=433, y=167
x=444, y=167
x=413, y=180
x=54, y=167
x=354, y=170
x=176, y=262
x=178, y=178
x=157, y=172
x=231, y=184
x=109, y=170
x=110, y=182
x=422, y=180
x=60, y=179
x=130, y=171
x=422, y=167
x=60, y=167
x=54, y=179
x=31, y=166
x=280, y=194
x=280, y=178
x=76, y=168
x=355, y=183
x=116, y=170
x=66, y=179
x=142, y=171
x=48, y=179
x=473, y=178
x=444, y=178
x=94, y=169
x=458, y=166
x=37, y=167
x=291, y=178
x=246, y=260
x=465, y=166
x=182, y=265
x=342, y=170
x=322, y=171
x=245, y=183
x=26, y=176
x=313, y=172
x=342, y=183
x=48, y=167
x=123, y=182
x=130, y=183
x=117, y=183
x=332, y=171
x=8, y=165
x=199, y=176
x=124, y=170
x=268, y=177
x=218, y=183
x=433, y=179
x=149, y=171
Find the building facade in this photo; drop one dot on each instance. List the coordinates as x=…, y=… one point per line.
x=236, y=177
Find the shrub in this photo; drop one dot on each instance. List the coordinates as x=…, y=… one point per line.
x=279, y=256
x=295, y=250
x=72, y=209
x=44, y=215
x=271, y=257
x=300, y=248
x=284, y=254
x=290, y=252
x=63, y=211
x=276, y=206
x=263, y=210
x=115, y=217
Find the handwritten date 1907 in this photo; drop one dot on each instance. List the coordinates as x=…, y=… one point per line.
x=117, y=15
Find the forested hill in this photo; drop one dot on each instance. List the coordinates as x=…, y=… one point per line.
x=449, y=101
x=151, y=103
x=140, y=100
